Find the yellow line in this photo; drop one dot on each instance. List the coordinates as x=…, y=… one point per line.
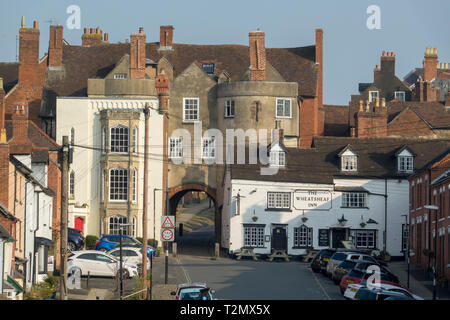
x=186, y=275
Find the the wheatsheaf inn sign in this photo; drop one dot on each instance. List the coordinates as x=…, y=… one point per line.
x=312, y=200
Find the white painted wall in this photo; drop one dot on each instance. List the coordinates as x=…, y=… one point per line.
x=253, y=202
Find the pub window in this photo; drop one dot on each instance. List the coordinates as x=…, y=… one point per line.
x=254, y=236
x=364, y=238
x=277, y=158
x=349, y=163
x=303, y=237
x=278, y=200
x=354, y=200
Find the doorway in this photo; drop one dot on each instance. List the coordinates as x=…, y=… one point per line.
x=338, y=235
x=279, y=238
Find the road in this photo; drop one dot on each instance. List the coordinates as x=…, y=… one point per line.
x=247, y=279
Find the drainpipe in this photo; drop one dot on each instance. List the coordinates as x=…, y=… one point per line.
x=385, y=216
x=34, y=236
x=25, y=268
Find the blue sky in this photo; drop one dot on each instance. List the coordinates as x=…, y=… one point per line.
x=351, y=50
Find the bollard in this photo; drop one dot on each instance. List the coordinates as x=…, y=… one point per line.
x=87, y=281
x=216, y=250
x=174, y=249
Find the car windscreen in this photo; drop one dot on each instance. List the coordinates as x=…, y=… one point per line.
x=355, y=274
x=339, y=256
x=190, y=295
x=364, y=294
x=347, y=265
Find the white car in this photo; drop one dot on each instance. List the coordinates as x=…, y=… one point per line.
x=352, y=289
x=129, y=254
x=98, y=263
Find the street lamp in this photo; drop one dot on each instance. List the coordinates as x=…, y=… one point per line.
x=436, y=208
x=407, y=245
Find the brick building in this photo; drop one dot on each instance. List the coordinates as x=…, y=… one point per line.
x=431, y=186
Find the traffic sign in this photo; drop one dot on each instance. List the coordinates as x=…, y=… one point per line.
x=169, y=222
x=167, y=234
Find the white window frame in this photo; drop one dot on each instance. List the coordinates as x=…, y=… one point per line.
x=229, y=109
x=400, y=93
x=120, y=76
x=406, y=164
x=284, y=100
x=349, y=163
x=134, y=184
x=254, y=236
x=277, y=159
x=175, y=147
x=114, y=182
x=354, y=200
x=303, y=237
x=370, y=236
x=114, y=223
x=72, y=184
x=278, y=200
x=208, y=65
x=113, y=139
x=197, y=110
x=103, y=140
x=371, y=97
x=208, y=148
x=135, y=139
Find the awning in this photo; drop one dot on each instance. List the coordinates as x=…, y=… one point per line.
x=44, y=241
x=14, y=283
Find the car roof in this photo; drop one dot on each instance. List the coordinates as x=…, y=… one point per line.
x=115, y=236
x=126, y=248
x=192, y=285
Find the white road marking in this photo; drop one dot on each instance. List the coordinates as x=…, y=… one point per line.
x=320, y=285
x=186, y=274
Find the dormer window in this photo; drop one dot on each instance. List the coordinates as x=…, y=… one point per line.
x=349, y=160
x=277, y=158
x=405, y=161
x=373, y=95
x=399, y=95
x=208, y=68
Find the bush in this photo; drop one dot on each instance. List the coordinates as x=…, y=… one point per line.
x=140, y=239
x=90, y=241
x=153, y=243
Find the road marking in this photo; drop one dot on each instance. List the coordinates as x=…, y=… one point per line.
x=186, y=275
x=320, y=285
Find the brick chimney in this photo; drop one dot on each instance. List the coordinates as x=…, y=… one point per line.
x=29, y=43
x=430, y=62
x=319, y=61
x=371, y=120
x=2, y=113
x=137, y=55
x=20, y=144
x=162, y=85
x=55, y=47
x=92, y=37
x=376, y=72
x=165, y=37
x=4, y=174
x=387, y=62
x=257, y=51
x=447, y=99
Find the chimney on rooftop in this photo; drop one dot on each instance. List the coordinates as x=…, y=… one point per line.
x=257, y=51
x=29, y=44
x=2, y=113
x=137, y=55
x=387, y=62
x=55, y=46
x=165, y=37
x=430, y=64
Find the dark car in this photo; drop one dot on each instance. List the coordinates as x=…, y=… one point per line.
x=319, y=263
x=342, y=269
x=75, y=239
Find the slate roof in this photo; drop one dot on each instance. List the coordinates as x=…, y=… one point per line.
x=9, y=71
x=36, y=136
x=81, y=63
x=336, y=120
x=321, y=163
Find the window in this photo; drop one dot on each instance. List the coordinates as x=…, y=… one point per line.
x=72, y=136
x=208, y=68
x=399, y=95
x=405, y=164
x=364, y=238
x=102, y=185
x=72, y=184
x=354, y=200
x=175, y=147
x=114, y=225
x=134, y=185
x=254, y=236
x=118, y=184
x=349, y=163
x=277, y=158
x=135, y=140
x=283, y=108
x=120, y=76
x=134, y=226
x=278, y=200
x=373, y=95
x=303, y=237
x=190, y=109
x=208, y=148
x=229, y=109
x=119, y=139
x=103, y=140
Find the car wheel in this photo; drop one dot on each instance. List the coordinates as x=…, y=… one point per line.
x=336, y=281
x=71, y=246
x=315, y=270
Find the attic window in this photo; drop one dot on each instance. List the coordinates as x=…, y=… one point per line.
x=405, y=164
x=399, y=95
x=120, y=76
x=277, y=159
x=208, y=68
x=349, y=163
x=373, y=95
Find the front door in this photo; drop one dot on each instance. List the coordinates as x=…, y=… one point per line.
x=279, y=238
x=338, y=235
x=79, y=224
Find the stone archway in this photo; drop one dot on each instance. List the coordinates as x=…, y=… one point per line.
x=177, y=192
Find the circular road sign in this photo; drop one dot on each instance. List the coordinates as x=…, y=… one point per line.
x=167, y=235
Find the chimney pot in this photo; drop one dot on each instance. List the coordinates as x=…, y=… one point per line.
x=106, y=37
x=377, y=102
x=361, y=105
x=86, y=30
x=35, y=25
x=384, y=54
x=92, y=31
x=383, y=102
x=141, y=30
x=367, y=105
x=22, y=24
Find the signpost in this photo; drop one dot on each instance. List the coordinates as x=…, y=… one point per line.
x=167, y=235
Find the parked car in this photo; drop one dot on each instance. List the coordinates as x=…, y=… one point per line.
x=356, y=276
x=341, y=256
x=321, y=259
x=363, y=292
x=98, y=263
x=342, y=269
x=75, y=239
x=109, y=241
x=129, y=254
x=193, y=291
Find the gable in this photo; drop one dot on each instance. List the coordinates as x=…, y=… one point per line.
x=408, y=123
x=122, y=67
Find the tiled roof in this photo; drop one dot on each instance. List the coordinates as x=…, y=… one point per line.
x=434, y=113
x=9, y=71
x=321, y=163
x=336, y=120
x=35, y=135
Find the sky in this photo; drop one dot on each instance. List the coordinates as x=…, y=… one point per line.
x=351, y=49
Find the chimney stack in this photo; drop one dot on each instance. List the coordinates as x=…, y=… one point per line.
x=2, y=113
x=319, y=61
x=162, y=85
x=92, y=37
x=137, y=55
x=55, y=46
x=257, y=52
x=430, y=64
x=387, y=62
x=29, y=44
x=106, y=37
x=165, y=37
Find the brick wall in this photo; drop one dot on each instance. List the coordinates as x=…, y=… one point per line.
x=54, y=183
x=409, y=124
x=55, y=50
x=137, y=55
x=257, y=52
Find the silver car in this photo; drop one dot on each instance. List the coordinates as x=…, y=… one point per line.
x=339, y=257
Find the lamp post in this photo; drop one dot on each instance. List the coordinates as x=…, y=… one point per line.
x=407, y=247
x=436, y=208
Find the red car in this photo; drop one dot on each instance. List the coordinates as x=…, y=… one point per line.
x=360, y=277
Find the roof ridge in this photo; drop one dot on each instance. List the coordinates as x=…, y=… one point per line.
x=44, y=134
